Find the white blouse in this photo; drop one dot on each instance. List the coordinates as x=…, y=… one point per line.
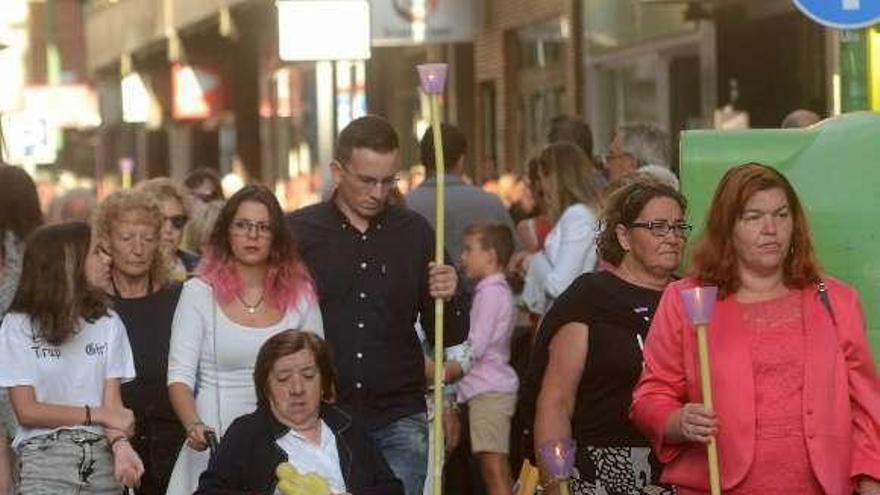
x=570, y=250
x=215, y=357
x=211, y=354
x=322, y=459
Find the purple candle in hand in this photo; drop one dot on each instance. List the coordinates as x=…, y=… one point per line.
x=558, y=458
x=699, y=303
x=433, y=77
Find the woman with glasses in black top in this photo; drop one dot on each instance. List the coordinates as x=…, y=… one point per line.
x=588, y=353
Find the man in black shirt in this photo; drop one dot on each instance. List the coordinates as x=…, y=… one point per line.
x=373, y=270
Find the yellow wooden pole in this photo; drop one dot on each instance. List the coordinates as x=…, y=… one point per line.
x=563, y=487
x=706, y=384
x=440, y=221
x=433, y=81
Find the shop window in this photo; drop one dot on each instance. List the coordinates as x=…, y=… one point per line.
x=613, y=24
x=542, y=45
x=541, y=81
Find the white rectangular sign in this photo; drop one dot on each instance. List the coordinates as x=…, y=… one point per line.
x=30, y=139
x=310, y=30
x=412, y=22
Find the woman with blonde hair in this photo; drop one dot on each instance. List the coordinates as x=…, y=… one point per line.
x=572, y=203
x=128, y=225
x=198, y=230
x=175, y=206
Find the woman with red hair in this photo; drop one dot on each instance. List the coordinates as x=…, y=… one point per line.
x=797, y=399
x=249, y=286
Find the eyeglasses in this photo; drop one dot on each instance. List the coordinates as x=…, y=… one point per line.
x=369, y=183
x=662, y=228
x=244, y=227
x=178, y=221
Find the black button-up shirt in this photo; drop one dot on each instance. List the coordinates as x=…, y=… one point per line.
x=373, y=288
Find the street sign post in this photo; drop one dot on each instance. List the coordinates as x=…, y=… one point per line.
x=841, y=14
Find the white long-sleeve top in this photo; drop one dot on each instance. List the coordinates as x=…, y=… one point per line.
x=570, y=250
x=220, y=371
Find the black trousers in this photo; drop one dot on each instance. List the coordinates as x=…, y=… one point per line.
x=157, y=442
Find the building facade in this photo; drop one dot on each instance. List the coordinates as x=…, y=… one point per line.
x=527, y=69
x=514, y=65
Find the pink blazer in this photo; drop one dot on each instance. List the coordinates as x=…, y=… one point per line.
x=841, y=397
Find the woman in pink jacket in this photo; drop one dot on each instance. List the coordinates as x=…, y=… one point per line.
x=797, y=398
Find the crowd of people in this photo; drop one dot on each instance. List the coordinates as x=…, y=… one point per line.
x=184, y=342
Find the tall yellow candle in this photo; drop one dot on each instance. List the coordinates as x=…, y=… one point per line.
x=699, y=303
x=706, y=385
x=433, y=78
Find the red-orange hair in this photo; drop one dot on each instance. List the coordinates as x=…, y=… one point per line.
x=715, y=261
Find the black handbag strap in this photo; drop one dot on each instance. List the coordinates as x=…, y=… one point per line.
x=826, y=300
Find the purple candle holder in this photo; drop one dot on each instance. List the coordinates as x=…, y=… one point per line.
x=699, y=303
x=557, y=458
x=433, y=78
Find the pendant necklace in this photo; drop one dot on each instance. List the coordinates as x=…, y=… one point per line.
x=251, y=309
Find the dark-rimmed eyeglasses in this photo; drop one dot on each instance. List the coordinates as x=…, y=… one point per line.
x=370, y=183
x=243, y=228
x=662, y=228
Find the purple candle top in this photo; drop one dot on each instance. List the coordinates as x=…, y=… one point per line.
x=699, y=303
x=433, y=77
x=557, y=458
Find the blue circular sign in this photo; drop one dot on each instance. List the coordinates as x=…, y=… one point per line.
x=841, y=14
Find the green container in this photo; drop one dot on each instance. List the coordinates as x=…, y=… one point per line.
x=835, y=168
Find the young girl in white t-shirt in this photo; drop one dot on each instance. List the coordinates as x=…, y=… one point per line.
x=64, y=354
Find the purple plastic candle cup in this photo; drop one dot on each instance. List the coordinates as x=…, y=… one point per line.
x=558, y=458
x=433, y=77
x=699, y=303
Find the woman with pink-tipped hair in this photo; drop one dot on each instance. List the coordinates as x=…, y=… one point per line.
x=250, y=285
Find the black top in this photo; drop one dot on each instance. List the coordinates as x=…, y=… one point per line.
x=248, y=454
x=373, y=288
x=148, y=323
x=615, y=312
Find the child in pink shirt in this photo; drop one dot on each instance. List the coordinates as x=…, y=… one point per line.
x=489, y=388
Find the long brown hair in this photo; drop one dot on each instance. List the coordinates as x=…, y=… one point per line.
x=54, y=291
x=715, y=260
x=287, y=278
x=568, y=166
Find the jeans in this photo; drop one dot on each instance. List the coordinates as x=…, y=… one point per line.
x=404, y=443
x=67, y=462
